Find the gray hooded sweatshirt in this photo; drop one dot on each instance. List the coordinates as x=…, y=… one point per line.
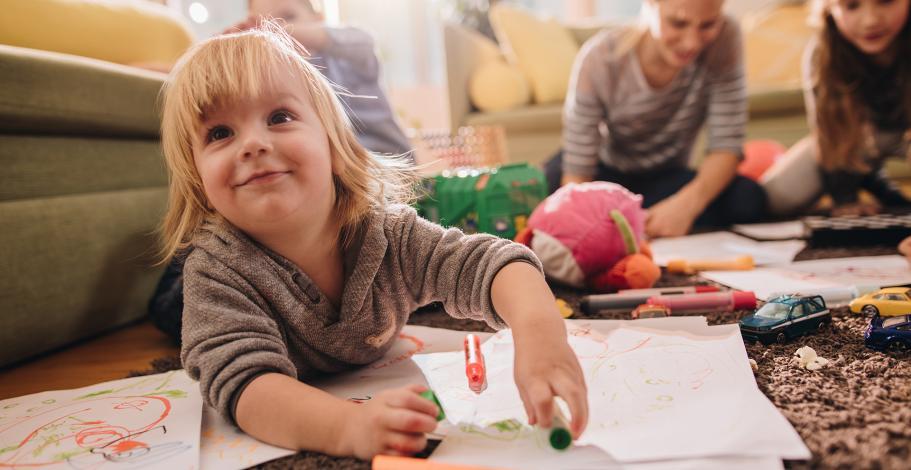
x=249, y=311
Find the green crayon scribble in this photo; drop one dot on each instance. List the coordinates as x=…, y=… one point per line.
x=8, y=449
x=95, y=394
x=63, y=456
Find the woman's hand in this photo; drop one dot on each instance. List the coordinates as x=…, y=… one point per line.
x=671, y=217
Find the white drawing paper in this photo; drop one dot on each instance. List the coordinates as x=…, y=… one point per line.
x=805, y=276
x=143, y=422
x=695, y=395
x=724, y=245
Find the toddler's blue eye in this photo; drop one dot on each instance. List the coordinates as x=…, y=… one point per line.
x=218, y=133
x=279, y=117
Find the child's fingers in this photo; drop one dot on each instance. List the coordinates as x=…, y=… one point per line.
x=404, y=443
x=540, y=397
x=576, y=397
x=404, y=420
x=529, y=410
x=410, y=400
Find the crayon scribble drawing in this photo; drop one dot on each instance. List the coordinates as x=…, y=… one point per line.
x=225, y=447
x=143, y=422
x=651, y=393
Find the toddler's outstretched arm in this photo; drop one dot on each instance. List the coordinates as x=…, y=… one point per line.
x=545, y=366
x=280, y=410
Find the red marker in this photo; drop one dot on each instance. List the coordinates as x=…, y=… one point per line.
x=474, y=364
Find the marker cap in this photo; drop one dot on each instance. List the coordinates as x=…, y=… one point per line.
x=743, y=300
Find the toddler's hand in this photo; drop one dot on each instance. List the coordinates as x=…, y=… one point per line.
x=393, y=422
x=546, y=368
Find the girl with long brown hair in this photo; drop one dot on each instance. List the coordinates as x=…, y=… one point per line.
x=857, y=75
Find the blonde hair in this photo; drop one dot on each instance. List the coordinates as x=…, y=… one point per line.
x=226, y=68
x=844, y=131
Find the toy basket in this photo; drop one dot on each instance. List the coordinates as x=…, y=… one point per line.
x=469, y=146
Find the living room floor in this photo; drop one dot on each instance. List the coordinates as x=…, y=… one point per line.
x=108, y=357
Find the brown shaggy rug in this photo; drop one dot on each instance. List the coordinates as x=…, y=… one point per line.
x=853, y=414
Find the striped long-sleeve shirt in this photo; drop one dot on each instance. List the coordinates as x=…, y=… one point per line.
x=613, y=114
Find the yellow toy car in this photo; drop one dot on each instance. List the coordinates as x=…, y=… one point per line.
x=888, y=302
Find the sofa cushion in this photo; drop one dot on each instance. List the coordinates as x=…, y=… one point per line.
x=75, y=266
x=773, y=46
x=498, y=86
x=52, y=166
x=543, y=49
x=51, y=93
x=125, y=32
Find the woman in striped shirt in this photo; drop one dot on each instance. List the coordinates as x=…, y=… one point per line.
x=638, y=98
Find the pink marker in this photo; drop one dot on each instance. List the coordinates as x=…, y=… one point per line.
x=669, y=290
x=706, y=302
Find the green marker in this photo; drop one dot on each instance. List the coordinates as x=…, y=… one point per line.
x=428, y=394
x=558, y=435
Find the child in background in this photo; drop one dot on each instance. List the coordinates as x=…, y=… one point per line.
x=639, y=96
x=346, y=57
x=301, y=261
x=857, y=87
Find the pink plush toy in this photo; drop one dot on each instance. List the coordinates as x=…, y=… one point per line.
x=592, y=235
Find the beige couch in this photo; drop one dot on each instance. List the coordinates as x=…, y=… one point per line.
x=533, y=131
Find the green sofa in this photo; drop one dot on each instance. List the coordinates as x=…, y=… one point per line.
x=82, y=190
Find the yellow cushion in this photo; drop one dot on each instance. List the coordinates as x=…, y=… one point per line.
x=125, y=31
x=543, y=49
x=498, y=86
x=773, y=46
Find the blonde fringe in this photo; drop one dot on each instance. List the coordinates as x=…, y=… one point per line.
x=225, y=68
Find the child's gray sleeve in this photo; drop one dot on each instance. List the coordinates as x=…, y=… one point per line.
x=446, y=265
x=228, y=340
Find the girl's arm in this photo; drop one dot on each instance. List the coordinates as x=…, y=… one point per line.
x=545, y=365
x=282, y=411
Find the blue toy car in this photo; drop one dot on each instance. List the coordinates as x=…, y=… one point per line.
x=889, y=333
x=786, y=317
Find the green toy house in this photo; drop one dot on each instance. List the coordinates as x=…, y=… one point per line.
x=495, y=200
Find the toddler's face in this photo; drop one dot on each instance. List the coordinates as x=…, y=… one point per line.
x=265, y=162
x=871, y=25
x=684, y=28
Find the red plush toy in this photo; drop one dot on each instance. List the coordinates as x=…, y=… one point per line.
x=592, y=235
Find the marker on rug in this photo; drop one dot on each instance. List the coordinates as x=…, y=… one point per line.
x=669, y=290
x=558, y=435
x=627, y=300
x=711, y=301
x=428, y=394
x=474, y=364
x=741, y=263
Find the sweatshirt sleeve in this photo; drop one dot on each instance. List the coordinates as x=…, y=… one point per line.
x=446, y=265
x=583, y=110
x=228, y=338
x=356, y=47
x=727, y=107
